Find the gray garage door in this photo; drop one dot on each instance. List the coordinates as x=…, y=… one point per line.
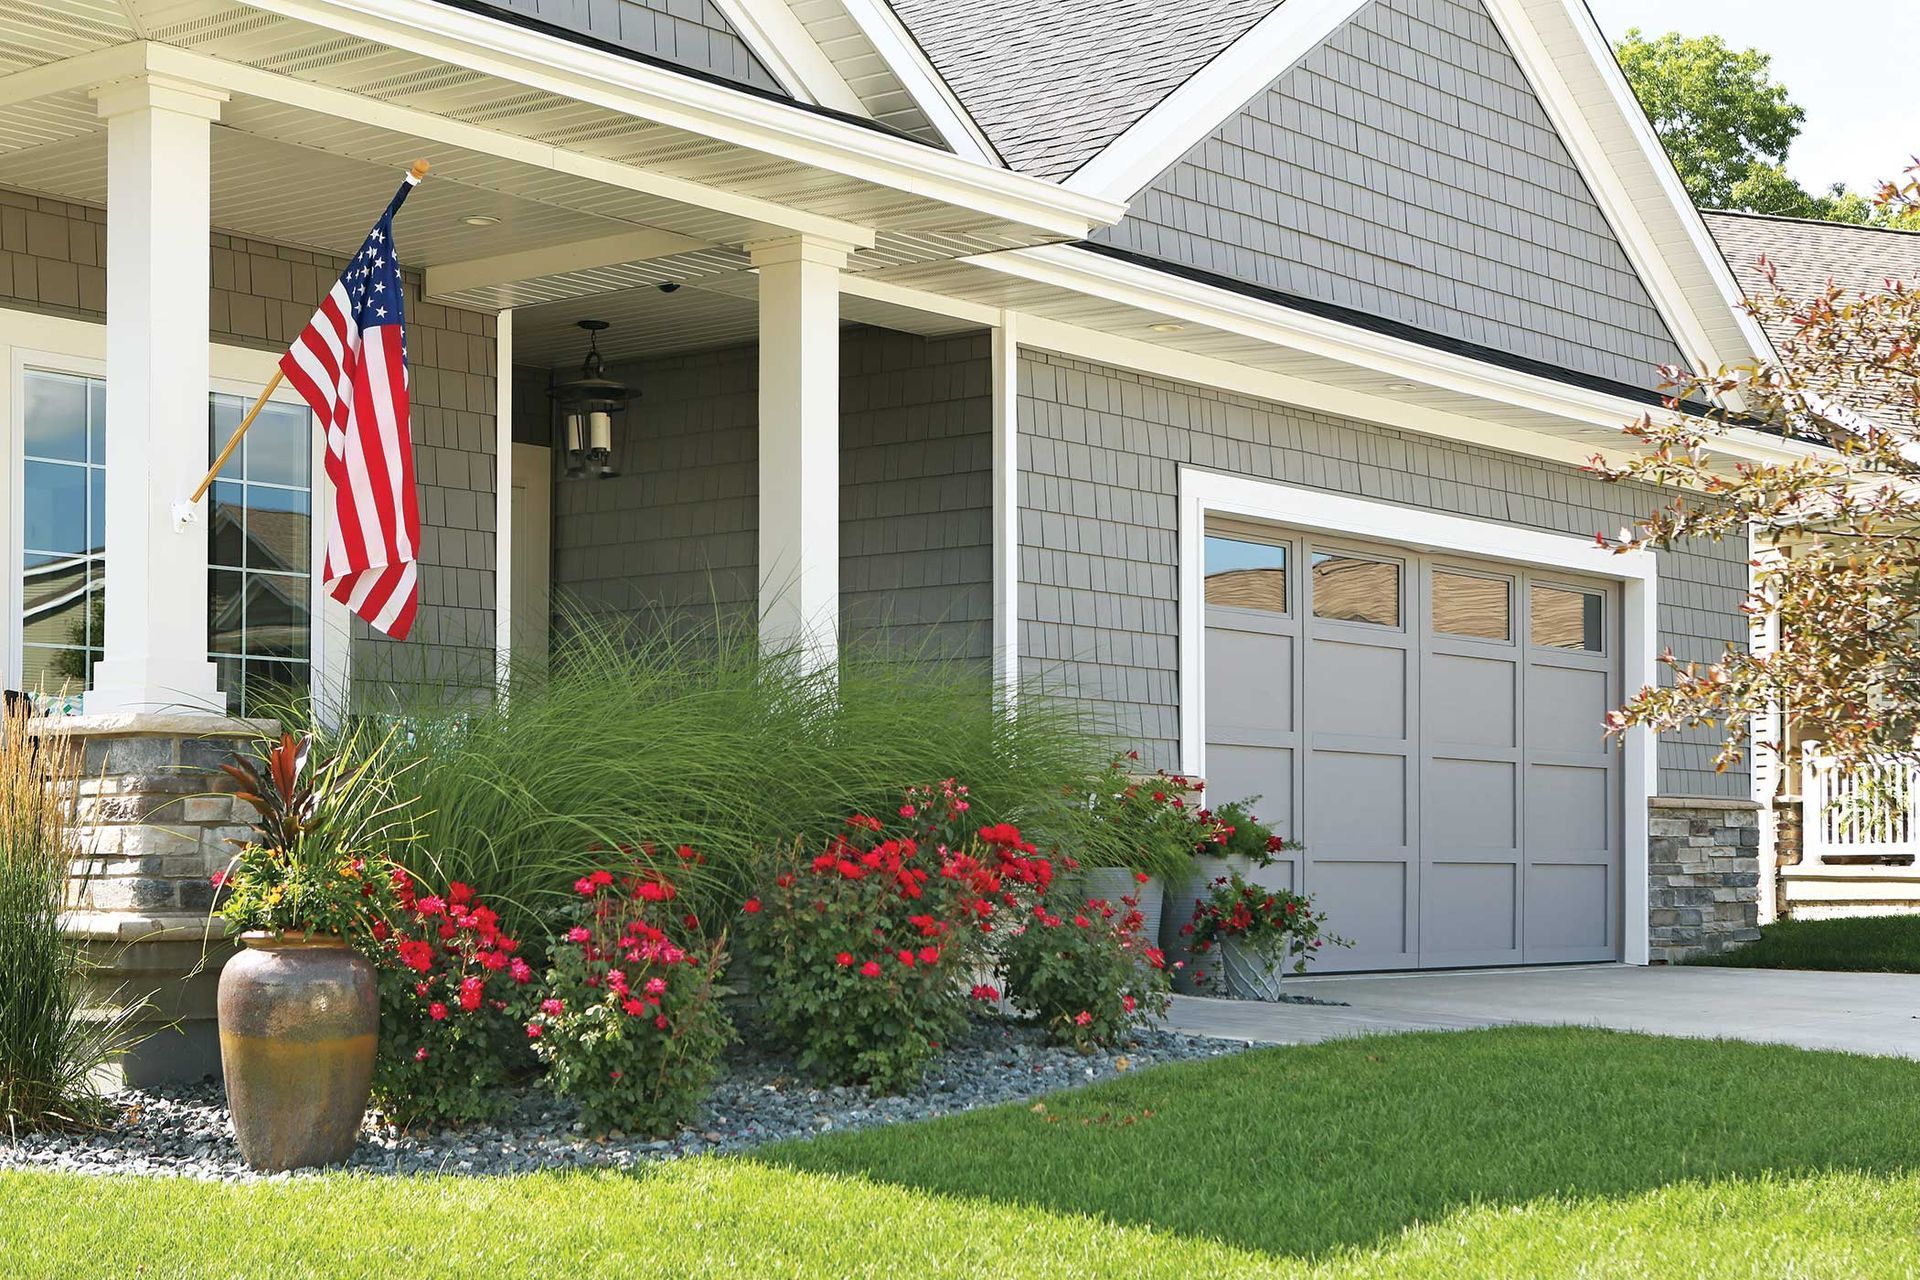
x=1431, y=727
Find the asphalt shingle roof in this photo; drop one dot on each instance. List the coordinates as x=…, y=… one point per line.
x=1807, y=254
x=1052, y=82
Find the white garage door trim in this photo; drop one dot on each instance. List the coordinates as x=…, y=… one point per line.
x=1205, y=492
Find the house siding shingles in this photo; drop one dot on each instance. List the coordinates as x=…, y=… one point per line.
x=691, y=33
x=1405, y=169
x=676, y=536
x=53, y=260
x=1100, y=453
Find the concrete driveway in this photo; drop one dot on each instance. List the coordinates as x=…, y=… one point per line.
x=1875, y=1013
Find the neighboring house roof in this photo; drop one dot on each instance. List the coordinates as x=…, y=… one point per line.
x=1806, y=255
x=1052, y=82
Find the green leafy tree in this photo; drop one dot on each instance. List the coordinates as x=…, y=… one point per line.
x=1836, y=535
x=1728, y=123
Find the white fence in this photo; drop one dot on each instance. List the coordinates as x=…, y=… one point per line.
x=1868, y=812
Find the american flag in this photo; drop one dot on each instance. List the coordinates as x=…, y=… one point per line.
x=350, y=365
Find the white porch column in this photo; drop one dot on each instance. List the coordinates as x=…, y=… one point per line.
x=159, y=136
x=800, y=445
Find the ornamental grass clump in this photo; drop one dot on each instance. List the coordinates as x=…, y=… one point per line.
x=51, y=1045
x=1089, y=977
x=865, y=946
x=629, y=1021
x=451, y=985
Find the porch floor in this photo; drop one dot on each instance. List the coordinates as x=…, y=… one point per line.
x=1857, y=1012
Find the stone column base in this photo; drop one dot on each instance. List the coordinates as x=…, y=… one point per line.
x=155, y=819
x=1703, y=875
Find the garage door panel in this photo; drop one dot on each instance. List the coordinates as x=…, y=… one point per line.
x=1469, y=912
x=1569, y=911
x=1357, y=690
x=1567, y=708
x=1367, y=903
x=1261, y=774
x=1249, y=684
x=1470, y=700
x=1360, y=802
x=1567, y=807
x=1471, y=804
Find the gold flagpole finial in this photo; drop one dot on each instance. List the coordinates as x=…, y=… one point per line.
x=418, y=169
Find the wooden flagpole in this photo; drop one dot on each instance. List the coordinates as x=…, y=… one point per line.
x=416, y=171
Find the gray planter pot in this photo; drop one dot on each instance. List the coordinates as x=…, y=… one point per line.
x=1115, y=883
x=1181, y=898
x=1246, y=974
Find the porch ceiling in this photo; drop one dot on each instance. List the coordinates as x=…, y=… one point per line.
x=561, y=144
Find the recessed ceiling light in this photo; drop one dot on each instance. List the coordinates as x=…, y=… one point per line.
x=480, y=220
x=1166, y=327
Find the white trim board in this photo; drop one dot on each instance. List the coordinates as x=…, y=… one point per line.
x=783, y=43
x=30, y=340
x=1314, y=510
x=909, y=62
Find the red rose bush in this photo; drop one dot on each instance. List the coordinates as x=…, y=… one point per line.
x=449, y=980
x=1089, y=975
x=629, y=1022
x=867, y=949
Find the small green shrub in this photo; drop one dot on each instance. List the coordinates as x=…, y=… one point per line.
x=1090, y=978
x=451, y=995
x=863, y=951
x=630, y=1023
x=51, y=1045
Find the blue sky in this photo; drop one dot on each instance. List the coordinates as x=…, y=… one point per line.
x=1837, y=59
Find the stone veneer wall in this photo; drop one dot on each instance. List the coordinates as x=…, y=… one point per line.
x=53, y=257
x=155, y=820
x=1703, y=875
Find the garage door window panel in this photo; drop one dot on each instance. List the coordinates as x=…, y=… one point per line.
x=1352, y=588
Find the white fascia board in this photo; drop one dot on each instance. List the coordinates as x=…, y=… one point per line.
x=1163, y=293
x=1553, y=68
x=903, y=54
x=1293, y=506
x=939, y=304
x=788, y=49
x=1129, y=163
x=647, y=92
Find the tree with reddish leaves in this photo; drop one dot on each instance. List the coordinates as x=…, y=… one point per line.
x=1835, y=533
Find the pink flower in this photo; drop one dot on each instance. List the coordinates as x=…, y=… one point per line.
x=552, y=1008
x=522, y=971
x=656, y=986
x=1127, y=1003
x=660, y=1021
x=1082, y=1018
x=579, y=933
x=437, y=1011
x=420, y=1054
x=217, y=879
x=533, y=1031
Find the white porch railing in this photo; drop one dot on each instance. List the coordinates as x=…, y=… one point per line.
x=1867, y=813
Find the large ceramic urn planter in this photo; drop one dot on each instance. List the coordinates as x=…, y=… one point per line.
x=299, y=1019
x=1246, y=974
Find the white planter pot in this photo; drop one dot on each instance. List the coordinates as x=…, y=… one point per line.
x=1245, y=974
x=1115, y=883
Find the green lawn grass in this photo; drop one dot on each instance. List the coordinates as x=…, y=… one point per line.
x=1529, y=1152
x=1876, y=944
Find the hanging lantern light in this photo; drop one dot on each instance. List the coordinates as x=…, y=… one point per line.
x=584, y=430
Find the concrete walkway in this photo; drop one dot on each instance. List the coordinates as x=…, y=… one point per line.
x=1876, y=1013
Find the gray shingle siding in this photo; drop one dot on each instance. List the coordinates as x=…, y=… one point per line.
x=689, y=32
x=53, y=260
x=676, y=535
x=1404, y=168
x=1100, y=452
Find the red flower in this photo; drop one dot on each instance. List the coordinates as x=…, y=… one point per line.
x=1082, y=1018
x=634, y=1006
x=1127, y=1003
x=437, y=1011
x=533, y=1031
x=420, y=1054
x=1141, y=877
x=751, y=906
x=984, y=992
x=470, y=992
x=522, y=971
x=416, y=954
x=217, y=879
x=844, y=959
x=553, y=1008
x=579, y=933
x=929, y=955
x=905, y=957
x=871, y=969
x=660, y=1021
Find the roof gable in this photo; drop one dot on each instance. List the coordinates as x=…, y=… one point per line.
x=1405, y=169
x=1052, y=82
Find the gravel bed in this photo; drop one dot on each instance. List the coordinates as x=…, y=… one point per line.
x=183, y=1130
